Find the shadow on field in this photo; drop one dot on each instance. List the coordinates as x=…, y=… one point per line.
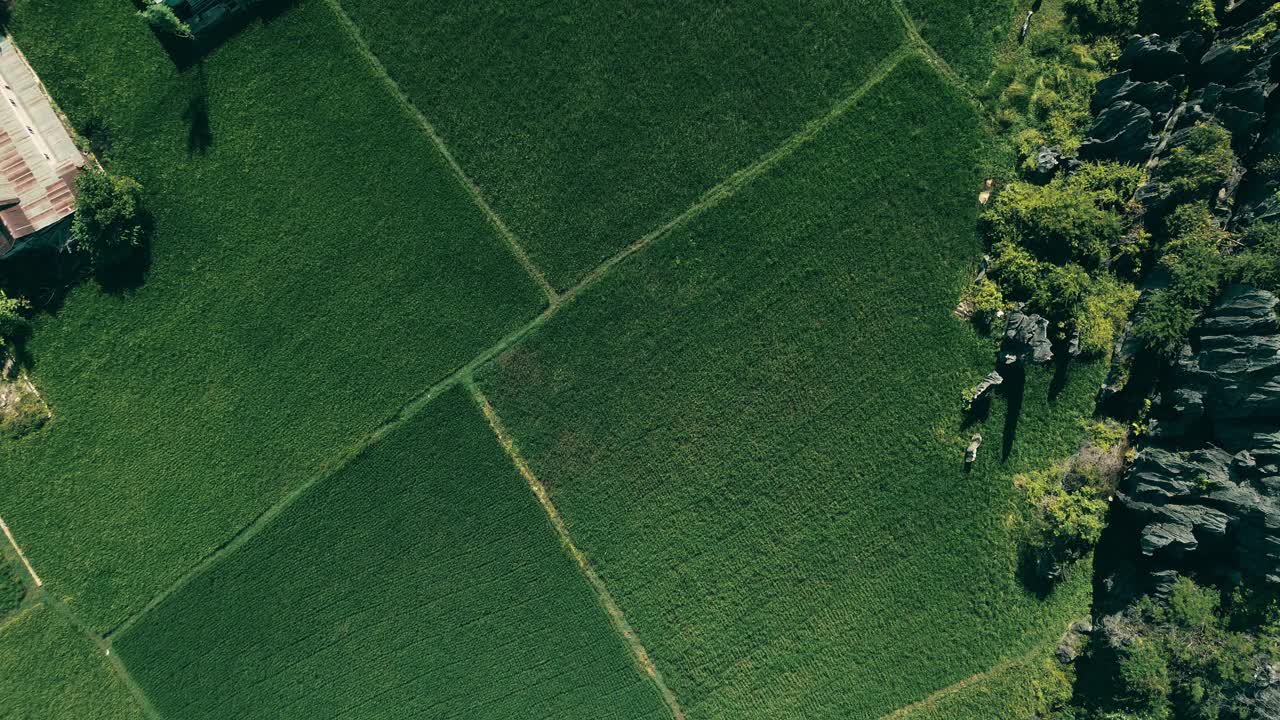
x=130, y=272
x=199, y=130
x=1014, y=387
x=189, y=52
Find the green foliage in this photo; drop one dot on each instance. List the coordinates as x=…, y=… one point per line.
x=1259, y=262
x=1194, y=265
x=984, y=298
x=283, y=318
x=474, y=603
x=965, y=33
x=1185, y=659
x=12, y=589
x=1104, y=17
x=1041, y=91
x=13, y=321
x=1050, y=243
x=1064, y=221
x=590, y=124
x=108, y=222
x=161, y=19
x=1198, y=166
x=1103, y=313
x=53, y=672
x=693, y=417
x=1061, y=524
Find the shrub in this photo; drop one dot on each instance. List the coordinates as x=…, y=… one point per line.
x=1061, y=525
x=1259, y=263
x=161, y=19
x=1103, y=313
x=12, y=320
x=1200, y=164
x=1104, y=17
x=1059, y=222
x=985, y=300
x=1195, y=268
x=1171, y=17
x=108, y=221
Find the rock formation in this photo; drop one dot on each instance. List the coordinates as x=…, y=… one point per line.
x=1205, y=485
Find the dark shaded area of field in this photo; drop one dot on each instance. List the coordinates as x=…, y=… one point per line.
x=590, y=124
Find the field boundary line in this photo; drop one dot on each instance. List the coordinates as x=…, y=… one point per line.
x=616, y=618
x=513, y=243
x=938, y=695
x=939, y=63
x=464, y=373
x=21, y=555
x=733, y=183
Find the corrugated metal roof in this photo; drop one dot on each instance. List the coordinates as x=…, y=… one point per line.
x=38, y=159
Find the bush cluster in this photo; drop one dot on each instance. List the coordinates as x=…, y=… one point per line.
x=1123, y=17
x=1053, y=245
x=1186, y=658
x=108, y=221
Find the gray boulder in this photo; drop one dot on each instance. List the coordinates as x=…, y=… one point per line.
x=1158, y=96
x=1148, y=57
x=1121, y=132
x=1026, y=339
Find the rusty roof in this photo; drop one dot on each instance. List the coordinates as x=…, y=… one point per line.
x=38, y=159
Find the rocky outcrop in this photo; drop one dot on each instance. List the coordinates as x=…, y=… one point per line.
x=1026, y=339
x=1205, y=486
x=1123, y=132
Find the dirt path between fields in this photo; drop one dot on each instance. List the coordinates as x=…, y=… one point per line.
x=616, y=618
x=21, y=555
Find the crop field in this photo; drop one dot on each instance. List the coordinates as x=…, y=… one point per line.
x=1012, y=692
x=588, y=125
x=965, y=33
x=316, y=266
x=443, y=594
x=52, y=672
x=268, y=488
x=754, y=433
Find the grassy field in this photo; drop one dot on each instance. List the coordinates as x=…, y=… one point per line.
x=966, y=33
x=1014, y=692
x=587, y=125
x=752, y=432
x=52, y=672
x=315, y=266
x=443, y=594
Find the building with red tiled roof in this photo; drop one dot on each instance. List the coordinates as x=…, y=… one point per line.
x=39, y=161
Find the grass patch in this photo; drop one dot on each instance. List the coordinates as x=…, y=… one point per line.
x=12, y=589
x=315, y=266
x=60, y=675
x=588, y=125
x=966, y=33
x=1017, y=691
x=445, y=593
x=752, y=429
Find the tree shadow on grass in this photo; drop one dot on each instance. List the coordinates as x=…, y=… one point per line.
x=189, y=52
x=129, y=272
x=1013, y=388
x=199, y=130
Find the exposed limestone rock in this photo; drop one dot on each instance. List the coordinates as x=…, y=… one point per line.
x=1026, y=339
x=992, y=379
x=1121, y=132
x=1205, y=487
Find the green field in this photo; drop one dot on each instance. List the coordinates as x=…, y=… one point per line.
x=1014, y=691
x=966, y=33
x=752, y=431
x=751, y=425
x=314, y=268
x=444, y=594
x=588, y=125
x=49, y=671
